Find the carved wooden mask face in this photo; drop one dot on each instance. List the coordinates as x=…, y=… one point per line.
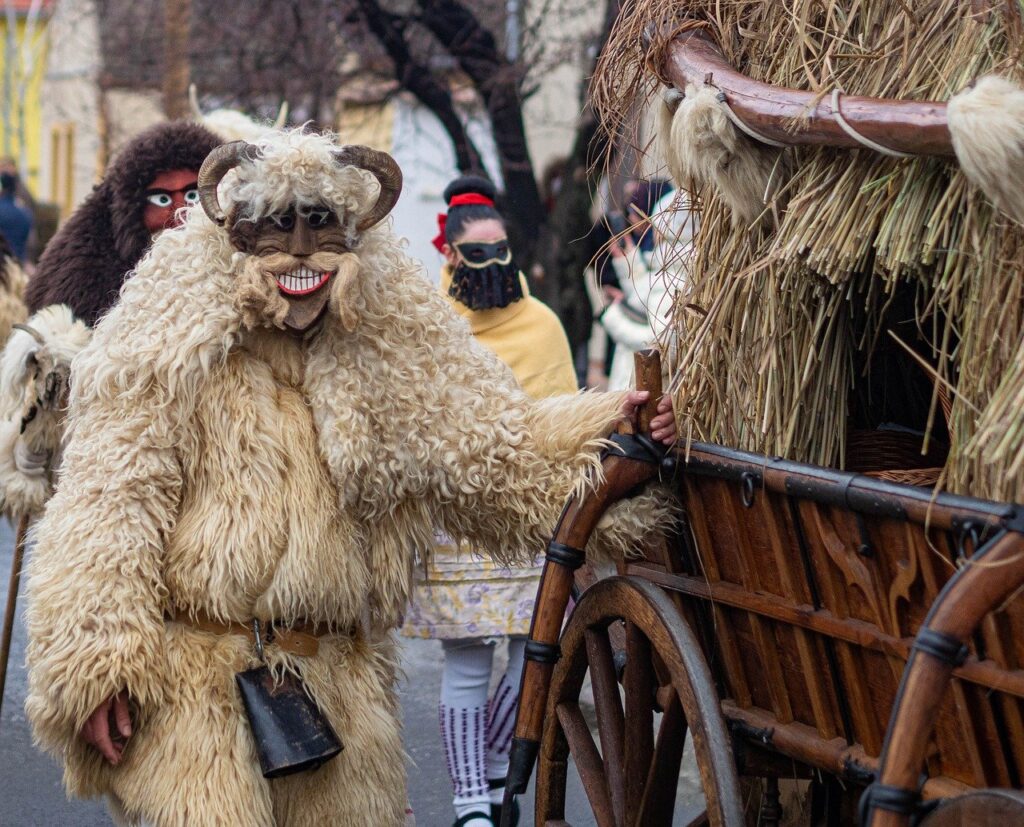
x=299, y=250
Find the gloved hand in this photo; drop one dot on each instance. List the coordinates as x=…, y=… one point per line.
x=29, y=462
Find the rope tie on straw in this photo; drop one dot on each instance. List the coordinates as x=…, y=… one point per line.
x=742, y=127
x=861, y=139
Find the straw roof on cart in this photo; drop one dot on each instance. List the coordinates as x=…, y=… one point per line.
x=788, y=306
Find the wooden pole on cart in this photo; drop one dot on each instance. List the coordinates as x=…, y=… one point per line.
x=12, y=602
x=565, y=555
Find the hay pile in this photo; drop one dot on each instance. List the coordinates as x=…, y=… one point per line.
x=782, y=309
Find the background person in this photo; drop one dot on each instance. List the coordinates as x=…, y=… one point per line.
x=15, y=220
x=467, y=602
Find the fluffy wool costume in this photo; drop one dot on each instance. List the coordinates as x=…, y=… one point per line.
x=458, y=594
x=34, y=370
x=86, y=263
x=217, y=464
x=12, y=290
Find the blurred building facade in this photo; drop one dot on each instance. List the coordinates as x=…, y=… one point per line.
x=92, y=102
x=23, y=55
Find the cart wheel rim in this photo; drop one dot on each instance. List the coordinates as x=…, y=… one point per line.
x=668, y=669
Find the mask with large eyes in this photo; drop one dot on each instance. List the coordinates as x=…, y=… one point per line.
x=165, y=195
x=486, y=276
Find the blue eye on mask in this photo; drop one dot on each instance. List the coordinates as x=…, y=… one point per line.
x=486, y=276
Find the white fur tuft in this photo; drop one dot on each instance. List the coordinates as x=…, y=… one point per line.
x=987, y=125
x=706, y=149
x=34, y=371
x=232, y=125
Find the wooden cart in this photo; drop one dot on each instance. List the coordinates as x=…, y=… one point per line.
x=804, y=623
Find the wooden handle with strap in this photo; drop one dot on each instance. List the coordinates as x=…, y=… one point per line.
x=623, y=473
x=647, y=365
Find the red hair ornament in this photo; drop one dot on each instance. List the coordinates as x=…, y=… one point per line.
x=457, y=201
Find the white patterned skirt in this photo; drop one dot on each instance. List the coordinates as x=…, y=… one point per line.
x=460, y=594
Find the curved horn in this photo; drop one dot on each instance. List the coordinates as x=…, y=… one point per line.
x=193, y=102
x=914, y=127
x=388, y=174
x=282, y=116
x=217, y=164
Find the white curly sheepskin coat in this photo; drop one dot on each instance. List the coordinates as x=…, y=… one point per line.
x=245, y=473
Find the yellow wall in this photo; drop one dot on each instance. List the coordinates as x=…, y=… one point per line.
x=28, y=109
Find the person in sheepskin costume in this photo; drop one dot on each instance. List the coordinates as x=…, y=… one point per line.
x=76, y=281
x=87, y=261
x=278, y=411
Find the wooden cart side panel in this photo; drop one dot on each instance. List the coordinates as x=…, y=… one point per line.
x=764, y=664
x=811, y=610
x=887, y=572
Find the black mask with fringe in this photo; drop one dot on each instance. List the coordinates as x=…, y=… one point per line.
x=486, y=276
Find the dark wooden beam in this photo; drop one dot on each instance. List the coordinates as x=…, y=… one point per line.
x=798, y=118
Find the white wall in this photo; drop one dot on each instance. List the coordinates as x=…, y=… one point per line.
x=70, y=93
x=424, y=151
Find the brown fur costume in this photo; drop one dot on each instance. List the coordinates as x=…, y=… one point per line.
x=222, y=465
x=86, y=263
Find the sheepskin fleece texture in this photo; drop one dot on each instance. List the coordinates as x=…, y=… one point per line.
x=87, y=261
x=12, y=290
x=986, y=122
x=704, y=148
x=29, y=369
x=245, y=472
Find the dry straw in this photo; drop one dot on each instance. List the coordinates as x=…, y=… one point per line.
x=765, y=341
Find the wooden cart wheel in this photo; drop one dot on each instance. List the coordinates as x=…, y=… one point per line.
x=984, y=808
x=632, y=779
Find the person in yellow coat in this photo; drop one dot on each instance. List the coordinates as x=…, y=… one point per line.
x=461, y=597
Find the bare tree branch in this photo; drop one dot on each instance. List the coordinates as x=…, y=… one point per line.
x=389, y=29
x=477, y=53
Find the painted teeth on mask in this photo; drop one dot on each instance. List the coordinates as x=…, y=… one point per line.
x=300, y=279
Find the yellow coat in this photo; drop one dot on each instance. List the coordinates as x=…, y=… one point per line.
x=528, y=337
x=459, y=593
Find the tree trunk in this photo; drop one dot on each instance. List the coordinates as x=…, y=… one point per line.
x=177, y=15
x=497, y=81
x=564, y=250
x=418, y=79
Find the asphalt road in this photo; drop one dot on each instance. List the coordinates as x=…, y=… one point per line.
x=31, y=794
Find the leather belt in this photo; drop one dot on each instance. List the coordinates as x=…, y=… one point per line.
x=298, y=638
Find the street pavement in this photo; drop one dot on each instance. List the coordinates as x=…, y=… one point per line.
x=31, y=793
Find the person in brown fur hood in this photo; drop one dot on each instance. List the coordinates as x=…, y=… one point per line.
x=87, y=261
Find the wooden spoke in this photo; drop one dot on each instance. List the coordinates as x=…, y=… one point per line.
x=639, y=686
x=632, y=781
x=659, y=792
x=588, y=762
x=610, y=718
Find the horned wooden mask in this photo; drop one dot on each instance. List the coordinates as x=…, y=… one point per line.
x=296, y=252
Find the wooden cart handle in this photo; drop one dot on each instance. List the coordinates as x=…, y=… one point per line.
x=624, y=472
x=647, y=365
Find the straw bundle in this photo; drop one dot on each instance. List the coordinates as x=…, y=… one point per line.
x=766, y=343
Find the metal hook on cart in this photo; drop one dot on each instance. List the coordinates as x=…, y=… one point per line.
x=747, y=489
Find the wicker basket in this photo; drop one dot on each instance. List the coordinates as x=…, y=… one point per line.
x=877, y=451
